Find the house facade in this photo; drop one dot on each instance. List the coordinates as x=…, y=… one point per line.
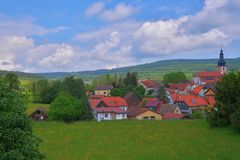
x=103, y=90
x=144, y=114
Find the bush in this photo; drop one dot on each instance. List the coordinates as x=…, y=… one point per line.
x=235, y=120
x=65, y=108
x=198, y=115
x=216, y=119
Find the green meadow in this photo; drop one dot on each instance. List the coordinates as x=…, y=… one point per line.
x=137, y=140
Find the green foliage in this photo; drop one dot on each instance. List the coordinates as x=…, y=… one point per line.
x=86, y=111
x=198, y=115
x=122, y=91
x=74, y=86
x=12, y=81
x=174, y=77
x=16, y=138
x=162, y=94
x=227, y=100
x=235, y=121
x=65, y=108
x=131, y=79
x=117, y=92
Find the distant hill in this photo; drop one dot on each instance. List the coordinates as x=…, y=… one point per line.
x=154, y=70
x=21, y=75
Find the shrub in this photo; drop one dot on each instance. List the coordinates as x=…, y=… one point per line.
x=216, y=119
x=235, y=120
x=65, y=108
x=198, y=115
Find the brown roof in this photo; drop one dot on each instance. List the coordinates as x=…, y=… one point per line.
x=135, y=111
x=168, y=108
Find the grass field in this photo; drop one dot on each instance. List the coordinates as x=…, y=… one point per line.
x=137, y=140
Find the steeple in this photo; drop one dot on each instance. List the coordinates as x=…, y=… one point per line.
x=221, y=61
x=221, y=67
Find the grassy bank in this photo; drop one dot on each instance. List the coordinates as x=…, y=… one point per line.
x=140, y=140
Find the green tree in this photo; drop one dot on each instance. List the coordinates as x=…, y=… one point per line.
x=17, y=141
x=116, y=92
x=86, y=112
x=227, y=100
x=12, y=81
x=162, y=94
x=131, y=79
x=65, y=108
x=74, y=86
x=174, y=77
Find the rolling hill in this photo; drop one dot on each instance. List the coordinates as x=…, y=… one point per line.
x=153, y=70
x=21, y=75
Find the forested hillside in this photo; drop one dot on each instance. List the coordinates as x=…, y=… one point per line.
x=154, y=70
x=21, y=75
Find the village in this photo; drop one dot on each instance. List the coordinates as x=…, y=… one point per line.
x=182, y=99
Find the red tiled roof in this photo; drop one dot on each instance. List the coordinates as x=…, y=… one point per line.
x=208, y=74
x=178, y=86
x=94, y=102
x=173, y=116
x=210, y=100
x=197, y=89
x=109, y=110
x=114, y=101
x=191, y=100
x=149, y=83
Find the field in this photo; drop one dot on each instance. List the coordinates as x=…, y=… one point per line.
x=137, y=140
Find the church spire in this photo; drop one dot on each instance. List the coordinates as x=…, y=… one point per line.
x=221, y=63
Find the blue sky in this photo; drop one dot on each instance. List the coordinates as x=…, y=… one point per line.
x=73, y=35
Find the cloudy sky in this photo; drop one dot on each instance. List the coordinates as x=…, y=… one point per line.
x=75, y=35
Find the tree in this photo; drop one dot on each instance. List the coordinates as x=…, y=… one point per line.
x=116, y=92
x=227, y=101
x=174, y=77
x=74, y=86
x=39, y=89
x=131, y=79
x=17, y=141
x=162, y=94
x=12, y=81
x=86, y=112
x=65, y=108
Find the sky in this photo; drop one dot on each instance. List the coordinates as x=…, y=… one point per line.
x=77, y=35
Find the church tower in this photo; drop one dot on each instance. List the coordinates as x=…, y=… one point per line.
x=221, y=63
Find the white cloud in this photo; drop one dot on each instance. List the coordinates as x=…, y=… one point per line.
x=63, y=56
x=94, y=9
x=217, y=23
x=121, y=11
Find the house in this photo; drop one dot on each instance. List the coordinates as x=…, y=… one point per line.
x=168, y=108
x=143, y=114
x=170, y=116
x=192, y=102
x=103, y=90
x=179, y=88
x=150, y=85
x=184, y=108
x=39, y=114
x=131, y=99
x=109, y=108
x=207, y=77
x=150, y=103
x=197, y=91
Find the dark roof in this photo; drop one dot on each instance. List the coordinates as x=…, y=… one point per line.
x=173, y=116
x=167, y=108
x=183, y=106
x=104, y=87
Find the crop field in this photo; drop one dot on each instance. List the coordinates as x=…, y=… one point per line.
x=137, y=140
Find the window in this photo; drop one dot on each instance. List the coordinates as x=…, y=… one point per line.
x=145, y=118
x=106, y=115
x=105, y=92
x=152, y=117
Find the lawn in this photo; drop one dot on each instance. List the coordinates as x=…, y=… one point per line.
x=138, y=140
